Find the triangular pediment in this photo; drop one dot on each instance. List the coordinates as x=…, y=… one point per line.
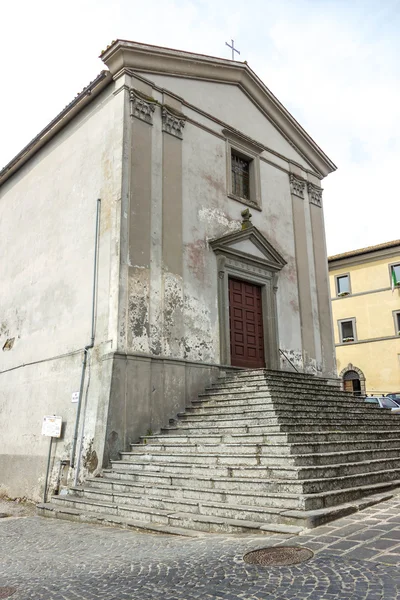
x=124, y=55
x=251, y=245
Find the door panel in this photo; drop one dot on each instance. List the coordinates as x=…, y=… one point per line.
x=246, y=324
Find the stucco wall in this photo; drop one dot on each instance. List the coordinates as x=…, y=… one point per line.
x=47, y=234
x=379, y=361
x=371, y=303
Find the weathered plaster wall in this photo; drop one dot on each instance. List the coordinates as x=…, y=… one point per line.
x=47, y=234
x=175, y=200
x=169, y=328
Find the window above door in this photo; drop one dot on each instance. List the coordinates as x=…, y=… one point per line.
x=347, y=330
x=243, y=169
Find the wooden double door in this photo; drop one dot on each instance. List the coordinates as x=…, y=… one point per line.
x=246, y=325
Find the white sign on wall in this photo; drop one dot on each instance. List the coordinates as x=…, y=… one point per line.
x=52, y=426
x=75, y=397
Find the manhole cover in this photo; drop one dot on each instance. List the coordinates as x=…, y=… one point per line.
x=6, y=592
x=278, y=556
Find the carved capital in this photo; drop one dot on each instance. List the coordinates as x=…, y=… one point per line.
x=141, y=108
x=314, y=194
x=297, y=185
x=172, y=123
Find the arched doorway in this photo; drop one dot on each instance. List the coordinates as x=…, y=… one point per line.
x=351, y=383
x=353, y=380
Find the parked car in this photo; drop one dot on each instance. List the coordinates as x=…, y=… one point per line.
x=394, y=396
x=383, y=402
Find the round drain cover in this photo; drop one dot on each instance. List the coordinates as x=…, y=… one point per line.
x=278, y=556
x=6, y=592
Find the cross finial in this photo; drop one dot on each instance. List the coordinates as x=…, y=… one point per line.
x=246, y=214
x=232, y=46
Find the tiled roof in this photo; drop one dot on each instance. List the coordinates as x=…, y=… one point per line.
x=366, y=250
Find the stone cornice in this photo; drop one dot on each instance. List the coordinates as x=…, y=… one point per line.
x=297, y=185
x=172, y=122
x=314, y=194
x=154, y=59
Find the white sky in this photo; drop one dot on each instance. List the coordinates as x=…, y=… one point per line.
x=333, y=63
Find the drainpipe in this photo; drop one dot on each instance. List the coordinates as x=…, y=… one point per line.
x=86, y=351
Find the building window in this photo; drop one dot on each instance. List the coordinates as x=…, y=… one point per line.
x=347, y=330
x=394, y=275
x=240, y=176
x=342, y=285
x=243, y=169
x=396, y=316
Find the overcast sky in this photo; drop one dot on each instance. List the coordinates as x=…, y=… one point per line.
x=334, y=64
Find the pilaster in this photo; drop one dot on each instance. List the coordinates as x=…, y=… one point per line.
x=297, y=187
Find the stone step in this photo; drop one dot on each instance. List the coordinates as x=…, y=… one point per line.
x=208, y=470
x=67, y=513
x=269, y=471
x=286, y=401
x=265, y=381
x=255, y=483
x=250, y=427
x=281, y=520
x=300, y=412
x=263, y=514
x=207, y=459
x=284, y=450
x=246, y=374
x=307, y=518
x=258, y=451
x=275, y=387
x=205, y=523
x=212, y=430
x=120, y=482
x=273, y=438
x=256, y=455
x=283, y=424
x=278, y=391
x=375, y=415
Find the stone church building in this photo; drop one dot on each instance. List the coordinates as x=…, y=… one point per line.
x=166, y=226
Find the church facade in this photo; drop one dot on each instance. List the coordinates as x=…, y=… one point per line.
x=166, y=226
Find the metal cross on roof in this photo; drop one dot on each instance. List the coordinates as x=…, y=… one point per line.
x=232, y=48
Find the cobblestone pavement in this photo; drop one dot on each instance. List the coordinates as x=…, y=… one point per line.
x=45, y=559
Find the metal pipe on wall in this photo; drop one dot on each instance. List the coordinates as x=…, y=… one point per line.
x=87, y=348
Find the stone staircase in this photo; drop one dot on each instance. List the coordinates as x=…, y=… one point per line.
x=258, y=452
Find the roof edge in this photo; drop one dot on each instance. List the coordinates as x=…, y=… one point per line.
x=123, y=54
x=65, y=116
x=362, y=251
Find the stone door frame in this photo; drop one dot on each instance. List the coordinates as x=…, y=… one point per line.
x=361, y=377
x=255, y=270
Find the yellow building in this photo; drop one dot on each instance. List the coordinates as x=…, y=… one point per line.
x=365, y=293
